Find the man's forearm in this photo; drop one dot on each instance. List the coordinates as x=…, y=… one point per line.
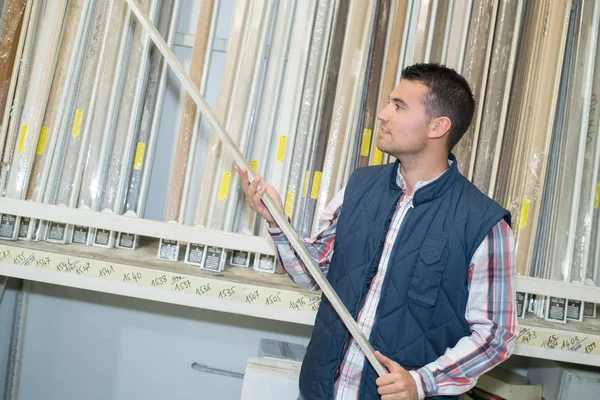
x=320, y=248
x=459, y=368
x=290, y=261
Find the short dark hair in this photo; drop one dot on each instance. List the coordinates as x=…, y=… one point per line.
x=449, y=95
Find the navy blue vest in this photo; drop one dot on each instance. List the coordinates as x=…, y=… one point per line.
x=423, y=302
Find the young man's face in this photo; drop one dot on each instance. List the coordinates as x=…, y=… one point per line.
x=404, y=121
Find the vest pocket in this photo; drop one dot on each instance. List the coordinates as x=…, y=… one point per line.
x=425, y=283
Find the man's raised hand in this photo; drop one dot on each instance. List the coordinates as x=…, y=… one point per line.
x=254, y=195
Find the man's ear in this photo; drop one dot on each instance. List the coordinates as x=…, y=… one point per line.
x=439, y=127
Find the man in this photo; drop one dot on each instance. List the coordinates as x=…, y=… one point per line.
x=420, y=257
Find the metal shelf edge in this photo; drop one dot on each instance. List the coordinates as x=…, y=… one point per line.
x=560, y=289
x=136, y=226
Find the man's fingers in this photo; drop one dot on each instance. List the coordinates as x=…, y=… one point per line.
x=257, y=199
x=386, y=380
x=263, y=190
x=390, y=364
x=249, y=188
x=253, y=188
x=393, y=385
x=254, y=195
x=246, y=184
x=243, y=174
x=392, y=397
x=388, y=389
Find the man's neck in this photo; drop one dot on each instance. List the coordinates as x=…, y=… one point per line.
x=417, y=169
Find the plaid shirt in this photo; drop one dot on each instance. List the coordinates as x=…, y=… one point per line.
x=490, y=308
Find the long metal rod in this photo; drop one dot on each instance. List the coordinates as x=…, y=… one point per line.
x=431, y=33
x=278, y=214
x=3, y=283
x=217, y=371
x=484, y=82
x=8, y=77
x=12, y=115
x=201, y=52
x=140, y=204
x=512, y=65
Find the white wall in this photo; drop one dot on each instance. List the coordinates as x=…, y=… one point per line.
x=7, y=313
x=86, y=345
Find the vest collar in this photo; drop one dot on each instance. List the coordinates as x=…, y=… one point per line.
x=433, y=189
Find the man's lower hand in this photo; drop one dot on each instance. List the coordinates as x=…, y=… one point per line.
x=398, y=384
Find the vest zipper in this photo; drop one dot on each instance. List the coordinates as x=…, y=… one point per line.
x=346, y=343
x=392, y=255
x=373, y=265
x=387, y=272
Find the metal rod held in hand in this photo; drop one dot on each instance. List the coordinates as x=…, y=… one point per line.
x=277, y=213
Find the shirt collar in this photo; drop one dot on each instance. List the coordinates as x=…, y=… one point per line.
x=402, y=183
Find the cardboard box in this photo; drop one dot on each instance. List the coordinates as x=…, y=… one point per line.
x=509, y=385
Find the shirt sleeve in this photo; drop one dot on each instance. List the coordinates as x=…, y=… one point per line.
x=491, y=315
x=320, y=246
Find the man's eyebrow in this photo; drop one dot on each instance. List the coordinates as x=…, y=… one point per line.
x=398, y=101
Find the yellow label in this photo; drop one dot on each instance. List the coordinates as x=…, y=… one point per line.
x=289, y=203
x=22, y=138
x=524, y=214
x=377, y=157
x=305, y=187
x=77, y=122
x=225, y=181
x=597, y=198
x=254, y=165
x=366, y=142
x=316, y=187
x=138, y=161
x=42, y=141
x=281, y=148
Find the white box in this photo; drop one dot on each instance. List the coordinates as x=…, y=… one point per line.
x=562, y=381
x=270, y=379
x=275, y=373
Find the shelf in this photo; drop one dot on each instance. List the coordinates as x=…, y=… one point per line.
x=137, y=226
x=576, y=342
x=234, y=241
x=138, y=274
x=244, y=291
